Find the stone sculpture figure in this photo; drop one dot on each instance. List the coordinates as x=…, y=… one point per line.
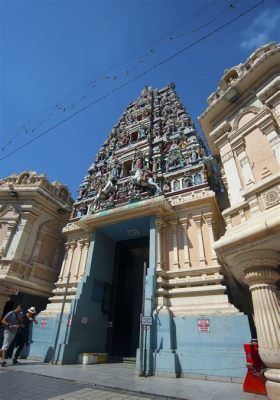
x=105, y=193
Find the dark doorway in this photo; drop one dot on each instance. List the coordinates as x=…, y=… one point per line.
x=126, y=307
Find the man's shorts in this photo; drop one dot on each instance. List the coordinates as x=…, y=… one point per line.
x=8, y=338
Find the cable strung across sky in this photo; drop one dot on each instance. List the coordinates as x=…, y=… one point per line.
x=150, y=49
x=129, y=81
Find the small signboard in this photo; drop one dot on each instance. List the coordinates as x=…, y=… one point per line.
x=84, y=320
x=203, y=325
x=44, y=323
x=146, y=321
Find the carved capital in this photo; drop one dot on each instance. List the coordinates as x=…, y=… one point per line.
x=256, y=277
x=226, y=157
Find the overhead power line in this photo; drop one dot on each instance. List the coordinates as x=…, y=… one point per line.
x=140, y=75
x=34, y=123
x=149, y=47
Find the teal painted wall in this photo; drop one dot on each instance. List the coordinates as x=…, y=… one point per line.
x=78, y=337
x=181, y=349
x=90, y=337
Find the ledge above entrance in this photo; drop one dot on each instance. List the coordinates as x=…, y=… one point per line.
x=158, y=206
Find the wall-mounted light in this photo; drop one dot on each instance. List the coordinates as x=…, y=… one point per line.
x=133, y=232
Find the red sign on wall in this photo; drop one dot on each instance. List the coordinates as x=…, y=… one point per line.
x=10, y=290
x=203, y=325
x=44, y=323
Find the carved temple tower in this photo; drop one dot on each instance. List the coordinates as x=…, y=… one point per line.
x=140, y=241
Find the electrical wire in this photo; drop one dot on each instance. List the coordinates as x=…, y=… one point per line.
x=92, y=83
x=155, y=66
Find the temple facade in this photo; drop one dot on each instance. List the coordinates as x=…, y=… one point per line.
x=241, y=124
x=33, y=212
x=140, y=242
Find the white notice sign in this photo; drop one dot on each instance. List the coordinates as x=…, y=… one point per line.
x=146, y=321
x=203, y=325
x=84, y=320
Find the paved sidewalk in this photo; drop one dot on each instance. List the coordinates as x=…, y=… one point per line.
x=31, y=386
x=122, y=376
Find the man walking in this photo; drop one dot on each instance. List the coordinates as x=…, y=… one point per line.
x=22, y=336
x=11, y=322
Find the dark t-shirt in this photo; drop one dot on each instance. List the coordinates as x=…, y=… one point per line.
x=24, y=328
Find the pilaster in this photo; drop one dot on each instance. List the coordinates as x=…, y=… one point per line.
x=208, y=220
x=270, y=130
x=185, y=225
x=174, y=227
x=159, y=225
x=198, y=222
x=233, y=179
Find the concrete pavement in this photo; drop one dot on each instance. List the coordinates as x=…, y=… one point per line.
x=122, y=377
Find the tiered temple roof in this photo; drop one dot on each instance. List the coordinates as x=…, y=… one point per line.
x=154, y=149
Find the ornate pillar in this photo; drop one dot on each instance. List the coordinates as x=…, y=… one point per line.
x=159, y=244
x=174, y=225
x=208, y=219
x=8, y=237
x=246, y=170
x=82, y=265
x=81, y=244
x=270, y=130
x=73, y=245
x=261, y=275
x=64, y=262
x=37, y=247
x=233, y=179
x=198, y=222
x=185, y=223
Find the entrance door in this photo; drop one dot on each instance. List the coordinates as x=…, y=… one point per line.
x=126, y=304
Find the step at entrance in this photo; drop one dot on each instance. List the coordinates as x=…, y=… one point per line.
x=129, y=360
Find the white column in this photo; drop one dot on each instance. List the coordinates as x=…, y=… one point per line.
x=233, y=179
x=84, y=258
x=269, y=129
x=159, y=245
x=208, y=220
x=37, y=247
x=247, y=173
x=185, y=223
x=81, y=246
x=174, y=225
x=198, y=222
x=8, y=237
x=261, y=276
x=65, y=258
x=70, y=259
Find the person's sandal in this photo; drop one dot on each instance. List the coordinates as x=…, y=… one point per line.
x=3, y=363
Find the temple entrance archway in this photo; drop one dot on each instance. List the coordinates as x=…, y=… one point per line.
x=127, y=296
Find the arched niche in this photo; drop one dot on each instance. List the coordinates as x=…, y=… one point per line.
x=244, y=116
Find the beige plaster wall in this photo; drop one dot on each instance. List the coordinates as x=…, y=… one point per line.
x=260, y=154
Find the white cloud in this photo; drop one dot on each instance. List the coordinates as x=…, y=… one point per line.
x=259, y=32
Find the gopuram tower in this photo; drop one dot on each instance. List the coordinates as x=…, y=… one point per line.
x=140, y=242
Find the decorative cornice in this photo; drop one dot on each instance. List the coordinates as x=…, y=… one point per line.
x=224, y=127
x=269, y=90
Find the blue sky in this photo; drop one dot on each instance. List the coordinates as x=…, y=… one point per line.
x=53, y=51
